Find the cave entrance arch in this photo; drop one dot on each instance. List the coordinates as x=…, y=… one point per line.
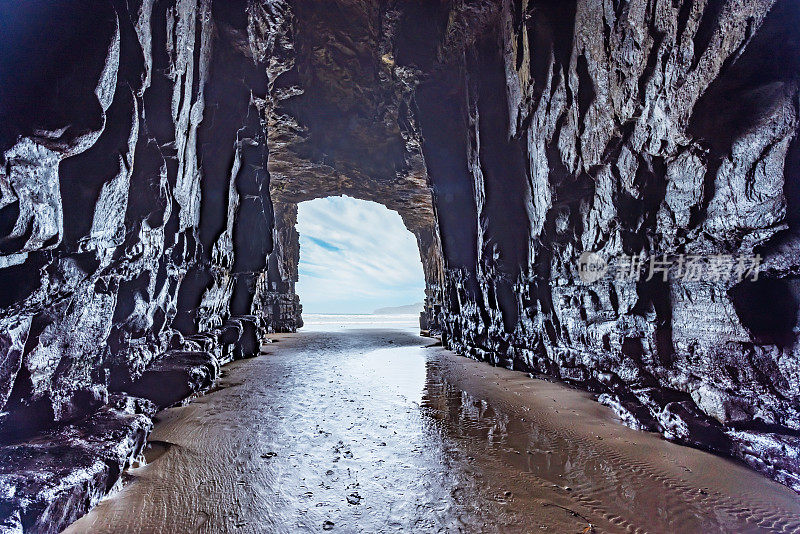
x=280, y=299
x=356, y=256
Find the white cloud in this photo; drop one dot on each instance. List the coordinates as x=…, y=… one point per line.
x=355, y=256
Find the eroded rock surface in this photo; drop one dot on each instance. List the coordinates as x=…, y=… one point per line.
x=136, y=223
x=627, y=128
x=153, y=153
x=49, y=482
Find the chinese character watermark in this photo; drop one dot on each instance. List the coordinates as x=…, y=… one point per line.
x=684, y=267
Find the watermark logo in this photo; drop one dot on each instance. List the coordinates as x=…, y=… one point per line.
x=591, y=267
x=684, y=267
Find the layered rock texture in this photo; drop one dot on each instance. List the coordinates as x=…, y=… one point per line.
x=655, y=128
x=153, y=153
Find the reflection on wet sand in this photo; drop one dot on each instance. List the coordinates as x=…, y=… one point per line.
x=635, y=481
x=367, y=430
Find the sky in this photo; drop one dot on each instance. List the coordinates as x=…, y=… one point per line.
x=355, y=257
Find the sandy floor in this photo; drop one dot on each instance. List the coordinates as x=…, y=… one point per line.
x=371, y=431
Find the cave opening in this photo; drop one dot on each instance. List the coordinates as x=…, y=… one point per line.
x=357, y=257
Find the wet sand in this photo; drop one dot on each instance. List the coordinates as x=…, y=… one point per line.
x=374, y=430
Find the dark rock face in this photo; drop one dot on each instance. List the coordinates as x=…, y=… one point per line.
x=47, y=483
x=135, y=226
x=175, y=376
x=625, y=128
x=153, y=153
x=124, y=195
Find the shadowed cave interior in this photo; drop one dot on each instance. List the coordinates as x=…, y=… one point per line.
x=153, y=154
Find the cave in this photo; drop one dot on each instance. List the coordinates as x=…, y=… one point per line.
x=153, y=155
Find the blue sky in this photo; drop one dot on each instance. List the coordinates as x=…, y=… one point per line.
x=355, y=256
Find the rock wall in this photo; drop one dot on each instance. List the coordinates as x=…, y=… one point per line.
x=129, y=175
x=135, y=227
x=153, y=153
x=647, y=127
